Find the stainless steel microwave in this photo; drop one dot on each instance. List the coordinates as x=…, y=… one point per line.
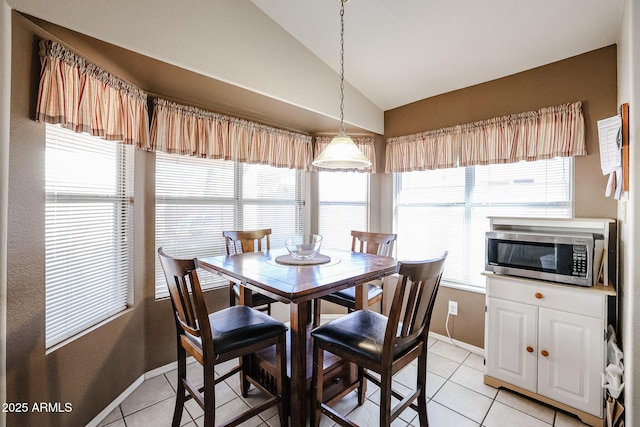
x=568, y=258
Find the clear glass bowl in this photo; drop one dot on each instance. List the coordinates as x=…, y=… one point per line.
x=304, y=246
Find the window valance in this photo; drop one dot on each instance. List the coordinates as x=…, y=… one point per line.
x=535, y=135
x=366, y=144
x=83, y=97
x=187, y=130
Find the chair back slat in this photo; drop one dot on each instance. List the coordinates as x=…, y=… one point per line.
x=413, y=301
x=189, y=307
x=247, y=241
x=373, y=243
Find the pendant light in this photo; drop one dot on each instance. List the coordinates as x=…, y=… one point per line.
x=342, y=152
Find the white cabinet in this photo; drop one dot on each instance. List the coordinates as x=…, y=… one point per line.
x=511, y=328
x=547, y=341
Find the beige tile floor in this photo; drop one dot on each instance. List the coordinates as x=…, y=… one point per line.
x=457, y=397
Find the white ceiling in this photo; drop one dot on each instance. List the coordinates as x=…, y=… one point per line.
x=401, y=51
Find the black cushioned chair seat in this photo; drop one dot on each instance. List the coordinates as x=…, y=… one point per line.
x=347, y=297
x=240, y=326
x=258, y=298
x=361, y=332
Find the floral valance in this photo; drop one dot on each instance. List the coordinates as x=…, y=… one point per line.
x=535, y=135
x=187, y=130
x=366, y=144
x=83, y=97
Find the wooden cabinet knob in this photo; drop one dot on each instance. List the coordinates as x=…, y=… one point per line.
x=530, y=349
x=545, y=353
x=538, y=295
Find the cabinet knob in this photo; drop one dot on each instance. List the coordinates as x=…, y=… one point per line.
x=545, y=353
x=530, y=349
x=538, y=295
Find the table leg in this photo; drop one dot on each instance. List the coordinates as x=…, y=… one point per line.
x=300, y=317
x=246, y=296
x=362, y=302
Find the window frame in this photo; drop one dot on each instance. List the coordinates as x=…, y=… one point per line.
x=238, y=203
x=366, y=204
x=469, y=173
x=120, y=286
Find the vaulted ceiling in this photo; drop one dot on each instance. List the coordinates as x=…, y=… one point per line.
x=398, y=52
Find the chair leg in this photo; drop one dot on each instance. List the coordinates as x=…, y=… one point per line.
x=422, y=384
x=316, y=385
x=282, y=384
x=316, y=312
x=269, y=309
x=180, y=392
x=385, y=397
x=362, y=388
x=232, y=295
x=245, y=362
x=209, y=396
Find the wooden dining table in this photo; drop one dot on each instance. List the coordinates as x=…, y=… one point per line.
x=298, y=286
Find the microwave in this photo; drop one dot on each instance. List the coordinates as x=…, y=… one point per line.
x=565, y=258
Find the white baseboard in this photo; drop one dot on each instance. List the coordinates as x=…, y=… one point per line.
x=147, y=375
x=166, y=368
x=113, y=405
x=464, y=345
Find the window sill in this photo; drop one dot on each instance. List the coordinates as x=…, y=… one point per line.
x=466, y=288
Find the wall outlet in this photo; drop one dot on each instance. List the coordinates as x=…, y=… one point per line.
x=453, y=308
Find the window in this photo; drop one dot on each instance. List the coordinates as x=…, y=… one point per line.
x=344, y=206
x=447, y=209
x=196, y=199
x=88, y=239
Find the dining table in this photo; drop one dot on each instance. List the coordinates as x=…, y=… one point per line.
x=298, y=283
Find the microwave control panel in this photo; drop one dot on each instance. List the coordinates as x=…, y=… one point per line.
x=580, y=260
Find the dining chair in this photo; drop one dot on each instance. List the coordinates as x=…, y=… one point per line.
x=367, y=242
x=211, y=339
x=381, y=344
x=237, y=242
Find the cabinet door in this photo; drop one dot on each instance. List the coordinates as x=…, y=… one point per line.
x=571, y=359
x=510, y=352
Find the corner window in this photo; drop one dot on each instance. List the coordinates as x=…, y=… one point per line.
x=448, y=209
x=88, y=234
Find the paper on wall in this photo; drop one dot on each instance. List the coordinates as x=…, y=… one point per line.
x=610, y=137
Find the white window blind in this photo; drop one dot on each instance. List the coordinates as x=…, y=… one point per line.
x=197, y=199
x=447, y=209
x=88, y=238
x=343, y=206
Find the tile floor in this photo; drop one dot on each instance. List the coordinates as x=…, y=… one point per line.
x=457, y=397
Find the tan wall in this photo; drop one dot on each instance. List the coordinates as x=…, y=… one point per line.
x=92, y=370
x=590, y=78
x=87, y=371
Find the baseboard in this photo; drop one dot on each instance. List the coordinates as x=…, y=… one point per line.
x=147, y=375
x=113, y=405
x=464, y=345
x=166, y=368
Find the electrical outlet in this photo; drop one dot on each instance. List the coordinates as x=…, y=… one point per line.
x=453, y=308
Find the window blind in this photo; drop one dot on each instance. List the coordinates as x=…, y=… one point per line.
x=343, y=206
x=197, y=199
x=88, y=234
x=448, y=209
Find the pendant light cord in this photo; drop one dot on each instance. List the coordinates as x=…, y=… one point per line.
x=342, y=65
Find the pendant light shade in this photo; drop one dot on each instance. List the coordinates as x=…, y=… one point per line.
x=342, y=152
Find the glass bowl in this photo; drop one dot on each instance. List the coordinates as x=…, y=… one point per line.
x=304, y=246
